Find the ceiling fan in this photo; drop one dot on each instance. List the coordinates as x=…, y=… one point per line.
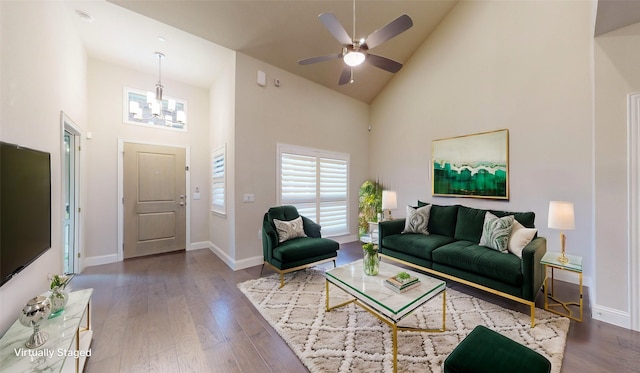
x=355, y=52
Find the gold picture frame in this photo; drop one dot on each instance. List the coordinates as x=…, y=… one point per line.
x=473, y=166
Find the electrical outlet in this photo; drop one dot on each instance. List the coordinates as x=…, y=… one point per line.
x=249, y=198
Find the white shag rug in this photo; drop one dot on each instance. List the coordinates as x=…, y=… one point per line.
x=350, y=339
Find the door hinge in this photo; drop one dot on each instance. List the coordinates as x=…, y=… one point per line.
x=78, y=255
x=79, y=148
x=186, y=168
x=79, y=210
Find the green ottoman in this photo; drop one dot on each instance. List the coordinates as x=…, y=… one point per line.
x=485, y=351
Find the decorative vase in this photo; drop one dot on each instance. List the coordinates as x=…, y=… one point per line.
x=36, y=310
x=59, y=298
x=371, y=262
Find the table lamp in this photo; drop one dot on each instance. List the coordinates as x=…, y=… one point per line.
x=561, y=217
x=389, y=202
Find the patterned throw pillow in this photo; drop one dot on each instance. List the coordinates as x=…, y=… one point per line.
x=417, y=220
x=496, y=232
x=289, y=229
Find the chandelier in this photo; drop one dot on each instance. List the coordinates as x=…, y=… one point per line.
x=152, y=108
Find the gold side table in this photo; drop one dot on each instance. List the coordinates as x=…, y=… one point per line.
x=550, y=260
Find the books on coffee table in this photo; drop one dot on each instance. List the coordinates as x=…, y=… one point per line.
x=401, y=282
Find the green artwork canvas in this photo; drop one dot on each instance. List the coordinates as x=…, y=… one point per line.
x=472, y=166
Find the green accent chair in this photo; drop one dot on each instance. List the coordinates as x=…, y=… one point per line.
x=486, y=351
x=297, y=253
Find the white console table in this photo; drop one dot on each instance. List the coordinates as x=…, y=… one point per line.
x=66, y=349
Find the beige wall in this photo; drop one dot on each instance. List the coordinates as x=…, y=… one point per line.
x=106, y=83
x=43, y=72
x=222, y=132
x=616, y=75
x=298, y=112
x=525, y=66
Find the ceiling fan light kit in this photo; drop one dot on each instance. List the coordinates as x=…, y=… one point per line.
x=354, y=58
x=356, y=52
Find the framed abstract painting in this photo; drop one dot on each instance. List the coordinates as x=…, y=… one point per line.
x=475, y=166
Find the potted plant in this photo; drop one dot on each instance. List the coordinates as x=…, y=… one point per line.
x=371, y=261
x=59, y=296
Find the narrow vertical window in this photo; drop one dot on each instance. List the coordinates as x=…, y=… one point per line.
x=218, y=181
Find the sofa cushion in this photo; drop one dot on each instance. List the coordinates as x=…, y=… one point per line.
x=442, y=219
x=303, y=248
x=473, y=258
x=418, y=245
x=469, y=224
x=417, y=220
x=496, y=232
x=525, y=218
x=288, y=230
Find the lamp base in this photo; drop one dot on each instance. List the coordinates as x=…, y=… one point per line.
x=563, y=259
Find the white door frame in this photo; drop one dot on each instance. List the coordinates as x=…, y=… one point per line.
x=120, y=200
x=66, y=124
x=633, y=190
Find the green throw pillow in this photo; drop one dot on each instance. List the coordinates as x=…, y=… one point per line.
x=289, y=229
x=417, y=220
x=496, y=232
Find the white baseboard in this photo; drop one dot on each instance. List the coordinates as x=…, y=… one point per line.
x=612, y=316
x=249, y=262
x=91, y=261
x=570, y=277
x=199, y=245
x=345, y=239
x=232, y=263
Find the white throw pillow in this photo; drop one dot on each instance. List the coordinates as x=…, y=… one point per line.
x=288, y=230
x=417, y=220
x=496, y=232
x=520, y=237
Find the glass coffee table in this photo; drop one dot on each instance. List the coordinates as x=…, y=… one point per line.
x=370, y=293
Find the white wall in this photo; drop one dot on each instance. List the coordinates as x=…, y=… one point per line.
x=524, y=66
x=616, y=75
x=298, y=112
x=43, y=72
x=106, y=83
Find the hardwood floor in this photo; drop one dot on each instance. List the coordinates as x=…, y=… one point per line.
x=182, y=312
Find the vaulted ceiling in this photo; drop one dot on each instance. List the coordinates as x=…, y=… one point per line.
x=198, y=33
x=282, y=32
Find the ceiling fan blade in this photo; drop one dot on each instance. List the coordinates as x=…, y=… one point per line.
x=309, y=61
x=335, y=28
x=388, y=31
x=345, y=76
x=384, y=63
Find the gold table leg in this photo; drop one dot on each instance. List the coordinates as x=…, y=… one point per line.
x=558, y=303
x=392, y=324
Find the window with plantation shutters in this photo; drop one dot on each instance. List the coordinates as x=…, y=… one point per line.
x=316, y=183
x=218, y=184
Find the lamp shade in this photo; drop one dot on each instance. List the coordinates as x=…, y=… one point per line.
x=561, y=215
x=389, y=200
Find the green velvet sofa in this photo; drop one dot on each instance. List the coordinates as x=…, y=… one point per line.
x=451, y=250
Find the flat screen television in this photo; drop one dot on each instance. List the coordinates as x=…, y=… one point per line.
x=25, y=207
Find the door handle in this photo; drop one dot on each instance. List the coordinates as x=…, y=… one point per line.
x=181, y=203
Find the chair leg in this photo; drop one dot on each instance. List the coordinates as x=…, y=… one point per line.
x=334, y=263
x=261, y=269
x=281, y=280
